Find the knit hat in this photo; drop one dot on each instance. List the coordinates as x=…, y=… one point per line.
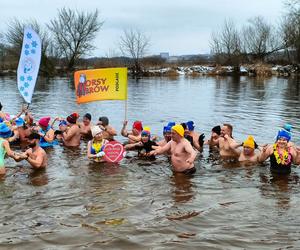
x=5, y=131
x=96, y=130
x=190, y=125
x=283, y=134
x=178, y=129
x=138, y=125
x=249, y=142
x=72, y=118
x=44, y=121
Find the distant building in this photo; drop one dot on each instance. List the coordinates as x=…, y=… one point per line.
x=164, y=55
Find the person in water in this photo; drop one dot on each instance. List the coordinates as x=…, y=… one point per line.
x=182, y=153
x=96, y=145
x=135, y=134
x=196, y=139
x=36, y=155
x=145, y=146
x=214, y=137
x=247, y=154
x=108, y=131
x=5, y=133
x=46, y=132
x=280, y=153
x=167, y=136
x=226, y=142
x=85, y=126
x=71, y=134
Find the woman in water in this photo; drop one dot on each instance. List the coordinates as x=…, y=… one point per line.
x=281, y=154
x=96, y=145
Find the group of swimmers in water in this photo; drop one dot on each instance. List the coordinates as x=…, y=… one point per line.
x=180, y=141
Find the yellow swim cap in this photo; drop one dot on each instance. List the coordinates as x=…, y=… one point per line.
x=178, y=129
x=249, y=142
x=147, y=129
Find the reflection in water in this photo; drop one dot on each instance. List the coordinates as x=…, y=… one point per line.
x=183, y=187
x=140, y=204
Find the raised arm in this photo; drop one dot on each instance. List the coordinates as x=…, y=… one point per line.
x=124, y=131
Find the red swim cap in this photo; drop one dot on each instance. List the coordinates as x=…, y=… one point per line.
x=138, y=125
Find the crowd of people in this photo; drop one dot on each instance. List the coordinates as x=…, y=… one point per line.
x=181, y=143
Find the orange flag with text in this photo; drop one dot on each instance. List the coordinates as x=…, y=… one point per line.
x=101, y=84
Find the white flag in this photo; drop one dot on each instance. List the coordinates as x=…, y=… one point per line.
x=29, y=63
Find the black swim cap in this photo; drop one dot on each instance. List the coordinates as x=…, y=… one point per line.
x=88, y=116
x=217, y=129
x=104, y=120
x=0, y=106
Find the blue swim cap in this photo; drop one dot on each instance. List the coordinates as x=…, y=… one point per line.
x=167, y=129
x=62, y=123
x=284, y=134
x=5, y=131
x=190, y=125
x=171, y=124
x=19, y=122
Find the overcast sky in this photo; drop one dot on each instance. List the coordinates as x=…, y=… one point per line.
x=177, y=27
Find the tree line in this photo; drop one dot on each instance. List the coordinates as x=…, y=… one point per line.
x=258, y=40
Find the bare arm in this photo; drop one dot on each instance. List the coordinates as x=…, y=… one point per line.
x=161, y=150
x=11, y=153
x=37, y=162
x=111, y=131
x=265, y=153
x=189, y=149
x=89, y=154
x=133, y=145
x=124, y=131
x=68, y=135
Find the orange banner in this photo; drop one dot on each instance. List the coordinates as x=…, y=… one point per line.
x=101, y=84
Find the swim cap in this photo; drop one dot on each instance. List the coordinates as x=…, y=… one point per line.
x=138, y=125
x=249, y=142
x=147, y=129
x=95, y=130
x=217, y=130
x=178, y=129
x=5, y=131
x=190, y=125
x=62, y=123
x=44, y=121
x=104, y=120
x=167, y=129
x=0, y=106
x=88, y=116
x=283, y=134
x=72, y=118
x=19, y=122
x=171, y=124
x=145, y=133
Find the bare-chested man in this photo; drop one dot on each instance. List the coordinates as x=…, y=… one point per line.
x=182, y=153
x=35, y=155
x=85, y=126
x=108, y=131
x=226, y=142
x=71, y=134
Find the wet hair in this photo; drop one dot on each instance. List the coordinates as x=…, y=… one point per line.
x=104, y=120
x=217, y=129
x=88, y=116
x=0, y=106
x=183, y=125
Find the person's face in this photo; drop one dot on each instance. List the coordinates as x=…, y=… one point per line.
x=32, y=143
x=187, y=132
x=248, y=151
x=145, y=138
x=225, y=131
x=174, y=136
x=99, y=136
x=282, y=142
x=135, y=132
x=214, y=135
x=86, y=121
x=167, y=136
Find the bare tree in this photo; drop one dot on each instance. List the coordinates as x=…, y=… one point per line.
x=134, y=44
x=260, y=39
x=73, y=33
x=14, y=39
x=291, y=27
x=226, y=44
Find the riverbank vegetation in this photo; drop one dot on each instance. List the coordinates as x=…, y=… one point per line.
x=256, y=48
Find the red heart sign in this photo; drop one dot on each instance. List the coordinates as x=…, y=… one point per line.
x=114, y=151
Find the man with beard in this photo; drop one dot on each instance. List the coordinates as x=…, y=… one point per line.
x=35, y=155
